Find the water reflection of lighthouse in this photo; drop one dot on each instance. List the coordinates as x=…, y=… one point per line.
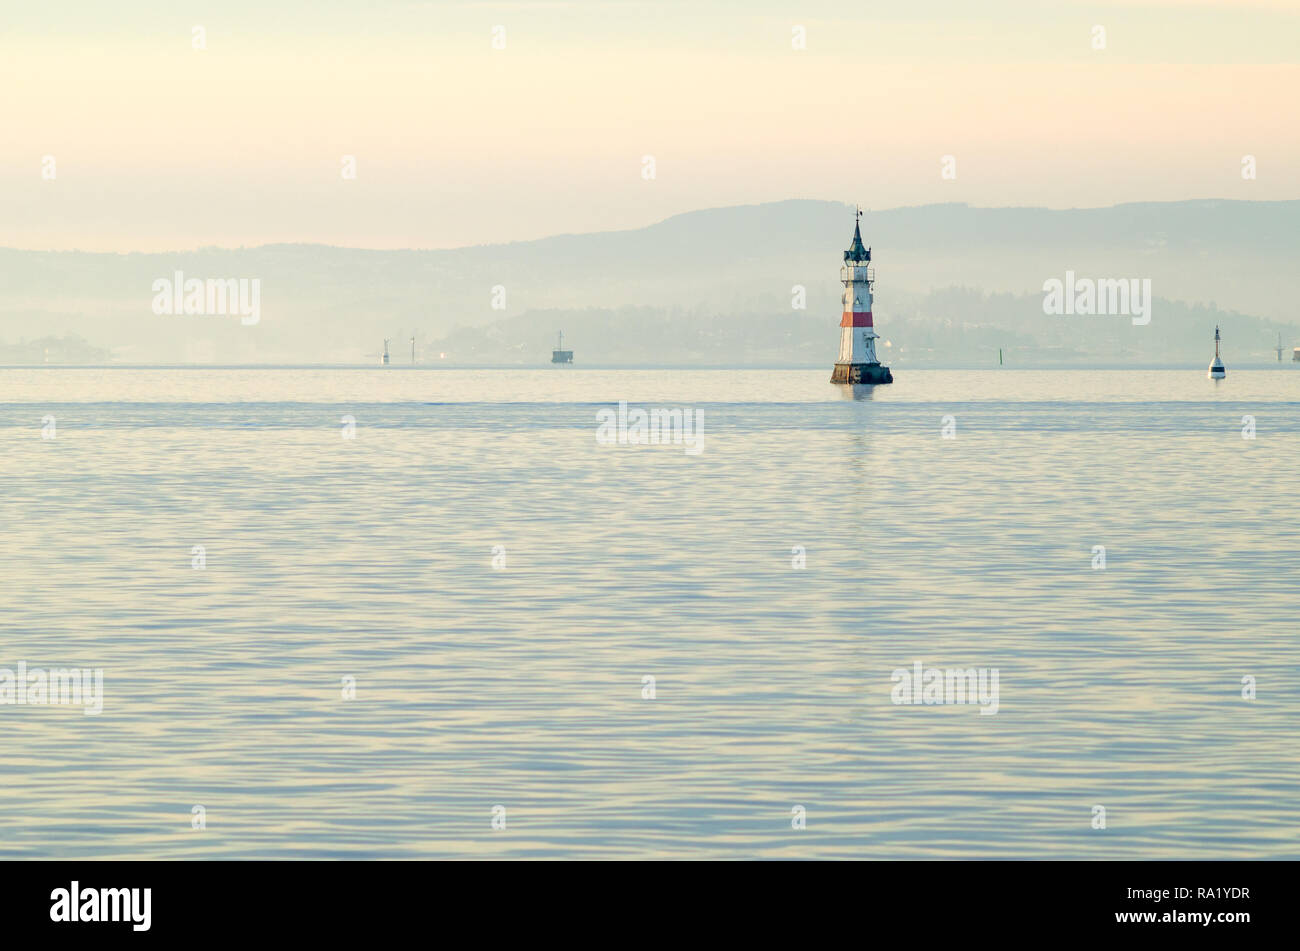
x=857, y=362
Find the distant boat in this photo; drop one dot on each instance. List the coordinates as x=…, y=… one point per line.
x=560, y=355
x=1295, y=355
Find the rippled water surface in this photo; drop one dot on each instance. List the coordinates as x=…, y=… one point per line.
x=372, y=558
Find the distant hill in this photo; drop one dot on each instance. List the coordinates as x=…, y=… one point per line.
x=949, y=327
x=65, y=349
x=716, y=271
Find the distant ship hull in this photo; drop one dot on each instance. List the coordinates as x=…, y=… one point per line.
x=561, y=356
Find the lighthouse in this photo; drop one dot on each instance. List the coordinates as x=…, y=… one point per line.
x=1217, y=372
x=857, y=362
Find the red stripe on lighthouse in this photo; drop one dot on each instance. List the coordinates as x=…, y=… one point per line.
x=856, y=318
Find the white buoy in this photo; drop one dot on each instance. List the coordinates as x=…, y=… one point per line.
x=1217, y=372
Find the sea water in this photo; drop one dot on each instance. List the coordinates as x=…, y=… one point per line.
x=416, y=612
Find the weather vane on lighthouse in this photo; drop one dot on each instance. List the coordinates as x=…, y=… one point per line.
x=857, y=362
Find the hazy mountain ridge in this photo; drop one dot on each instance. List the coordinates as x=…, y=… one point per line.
x=725, y=266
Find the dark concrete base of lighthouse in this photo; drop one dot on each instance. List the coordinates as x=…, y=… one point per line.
x=861, y=373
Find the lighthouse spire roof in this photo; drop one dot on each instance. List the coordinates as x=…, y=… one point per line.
x=856, y=251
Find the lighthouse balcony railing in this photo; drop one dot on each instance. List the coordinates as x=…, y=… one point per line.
x=848, y=273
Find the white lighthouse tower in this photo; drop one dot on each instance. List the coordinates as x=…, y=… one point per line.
x=857, y=362
x=1217, y=371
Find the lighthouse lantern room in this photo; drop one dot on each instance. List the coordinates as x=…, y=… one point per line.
x=857, y=362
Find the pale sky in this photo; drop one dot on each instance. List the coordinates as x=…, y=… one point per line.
x=157, y=145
